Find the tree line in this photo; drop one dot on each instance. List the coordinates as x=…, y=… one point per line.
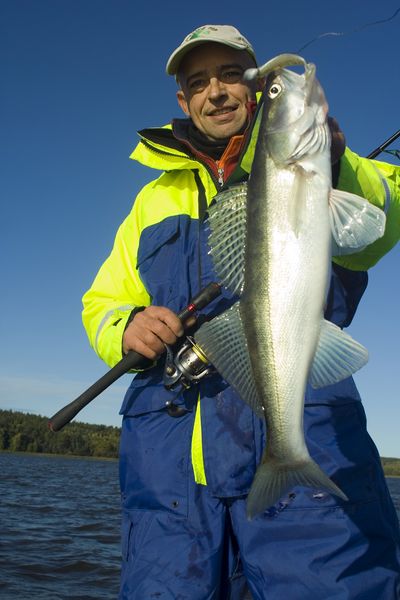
x=20, y=432
x=391, y=466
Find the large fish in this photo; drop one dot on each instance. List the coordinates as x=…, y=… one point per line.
x=272, y=245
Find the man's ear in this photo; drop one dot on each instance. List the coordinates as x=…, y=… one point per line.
x=182, y=102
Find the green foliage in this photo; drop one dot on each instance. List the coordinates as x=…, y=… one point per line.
x=21, y=432
x=391, y=466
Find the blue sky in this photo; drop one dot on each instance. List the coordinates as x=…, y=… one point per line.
x=78, y=79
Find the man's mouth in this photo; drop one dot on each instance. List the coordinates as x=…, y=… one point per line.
x=222, y=111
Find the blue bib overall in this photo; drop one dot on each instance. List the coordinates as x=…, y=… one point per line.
x=182, y=540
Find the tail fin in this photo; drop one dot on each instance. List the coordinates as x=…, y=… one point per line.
x=273, y=479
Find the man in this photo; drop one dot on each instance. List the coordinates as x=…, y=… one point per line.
x=184, y=480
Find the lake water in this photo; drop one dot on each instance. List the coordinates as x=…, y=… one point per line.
x=60, y=522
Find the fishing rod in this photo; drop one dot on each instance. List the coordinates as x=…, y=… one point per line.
x=132, y=360
x=383, y=146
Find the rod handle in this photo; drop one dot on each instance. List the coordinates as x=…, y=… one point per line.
x=132, y=360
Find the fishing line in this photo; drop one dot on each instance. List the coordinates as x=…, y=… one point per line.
x=342, y=33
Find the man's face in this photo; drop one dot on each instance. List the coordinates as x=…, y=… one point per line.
x=213, y=92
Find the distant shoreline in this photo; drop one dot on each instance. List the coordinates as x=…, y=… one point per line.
x=29, y=434
x=391, y=466
x=20, y=432
x=59, y=455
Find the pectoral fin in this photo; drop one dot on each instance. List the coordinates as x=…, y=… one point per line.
x=355, y=222
x=223, y=342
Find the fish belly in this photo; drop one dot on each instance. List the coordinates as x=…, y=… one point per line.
x=287, y=261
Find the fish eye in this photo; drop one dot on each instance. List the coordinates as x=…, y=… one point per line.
x=274, y=90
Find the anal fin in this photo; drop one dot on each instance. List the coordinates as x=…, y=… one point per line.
x=337, y=356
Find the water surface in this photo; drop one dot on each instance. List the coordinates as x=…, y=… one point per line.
x=60, y=522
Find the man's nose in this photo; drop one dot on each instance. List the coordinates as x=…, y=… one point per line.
x=216, y=88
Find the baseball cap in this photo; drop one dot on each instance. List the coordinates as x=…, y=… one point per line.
x=222, y=34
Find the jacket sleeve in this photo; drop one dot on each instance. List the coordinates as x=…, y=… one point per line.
x=115, y=292
x=379, y=183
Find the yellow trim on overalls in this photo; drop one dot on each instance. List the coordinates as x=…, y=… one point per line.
x=197, y=448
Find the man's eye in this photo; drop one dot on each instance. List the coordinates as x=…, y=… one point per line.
x=232, y=76
x=197, y=84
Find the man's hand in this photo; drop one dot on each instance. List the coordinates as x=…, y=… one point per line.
x=338, y=143
x=150, y=329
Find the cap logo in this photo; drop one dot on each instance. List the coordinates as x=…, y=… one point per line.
x=199, y=33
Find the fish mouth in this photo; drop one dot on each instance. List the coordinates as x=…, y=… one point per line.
x=283, y=61
x=309, y=75
x=278, y=62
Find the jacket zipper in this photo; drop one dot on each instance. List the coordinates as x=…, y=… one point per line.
x=202, y=208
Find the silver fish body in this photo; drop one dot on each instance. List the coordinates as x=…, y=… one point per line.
x=277, y=257
x=287, y=260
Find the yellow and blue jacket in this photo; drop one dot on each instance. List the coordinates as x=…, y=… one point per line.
x=160, y=256
x=168, y=207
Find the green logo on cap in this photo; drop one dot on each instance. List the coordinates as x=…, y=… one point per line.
x=200, y=32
